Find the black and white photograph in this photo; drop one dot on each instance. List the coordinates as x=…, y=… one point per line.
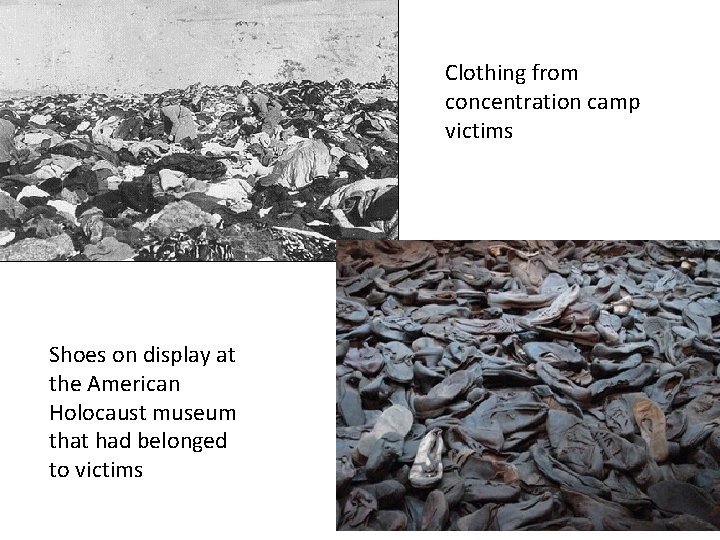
x=196, y=130
x=528, y=385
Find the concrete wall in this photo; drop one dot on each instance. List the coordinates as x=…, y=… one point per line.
x=144, y=45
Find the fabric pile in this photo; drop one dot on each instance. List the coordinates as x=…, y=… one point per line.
x=269, y=172
x=528, y=385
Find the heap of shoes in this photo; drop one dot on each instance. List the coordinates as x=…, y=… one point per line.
x=528, y=385
x=277, y=171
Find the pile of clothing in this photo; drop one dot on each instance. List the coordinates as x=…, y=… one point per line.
x=270, y=172
x=528, y=385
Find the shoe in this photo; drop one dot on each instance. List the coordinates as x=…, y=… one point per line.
x=435, y=512
x=619, y=416
x=556, y=355
x=407, y=296
x=559, y=383
x=618, y=453
x=580, y=314
x=683, y=498
x=631, y=379
x=358, y=333
x=649, y=475
x=520, y=300
x=457, y=355
x=375, y=393
x=443, y=394
x=708, y=480
x=485, y=433
x=603, y=515
x=348, y=400
x=553, y=284
x=609, y=368
x=388, y=493
x=485, y=468
x=428, y=351
x=510, y=517
x=432, y=313
x=395, y=329
x=675, y=424
x=484, y=491
x=622, y=307
x=388, y=520
x=358, y=507
x=396, y=278
x=412, y=443
x=399, y=397
x=608, y=327
x=480, y=520
x=427, y=468
x=554, y=311
x=698, y=318
x=342, y=346
x=424, y=378
x=587, y=335
x=573, y=444
x=503, y=372
x=695, y=434
x=344, y=472
x=392, y=308
x=383, y=454
x=355, y=285
x=350, y=310
x=403, y=256
x=426, y=296
x=650, y=419
x=395, y=419
x=511, y=411
x=643, y=301
x=507, y=324
x=624, y=489
x=658, y=329
x=376, y=298
x=561, y=524
x=564, y=476
x=474, y=276
x=413, y=509
x=449, y=333
x=368, y=360
x=664, y=390
x=452, y=487
x=556, y=402
x=688, y=523
x=398, y=361
x=701, y=386
x=692, y=368
x=713, y=444
x=623, y=350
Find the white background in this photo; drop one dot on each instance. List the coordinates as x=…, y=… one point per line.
x=585, y=175
x=580, y=174
x=277, y=471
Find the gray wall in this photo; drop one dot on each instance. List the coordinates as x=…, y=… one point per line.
x=144, y=45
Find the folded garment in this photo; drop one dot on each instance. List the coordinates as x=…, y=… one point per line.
x=109, y=249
